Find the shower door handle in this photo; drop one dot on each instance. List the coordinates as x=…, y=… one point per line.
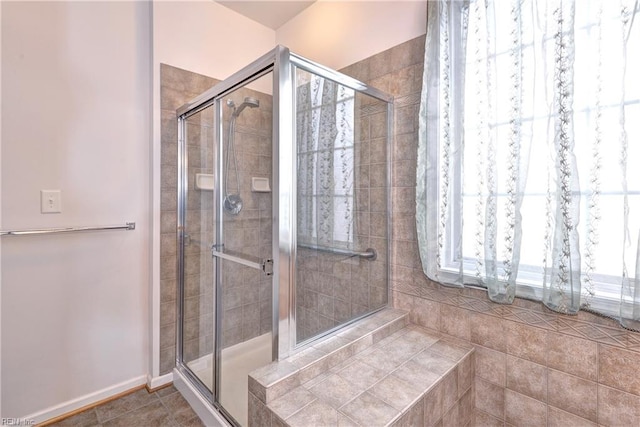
x=265, y=265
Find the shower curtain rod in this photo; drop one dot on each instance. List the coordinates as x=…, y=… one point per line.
x=369, y=254
x=127, y=226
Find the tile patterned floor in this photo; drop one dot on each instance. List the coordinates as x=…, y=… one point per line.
x=163, y=408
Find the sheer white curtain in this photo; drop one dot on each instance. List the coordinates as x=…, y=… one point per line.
x=529, y=151
x=325, y=135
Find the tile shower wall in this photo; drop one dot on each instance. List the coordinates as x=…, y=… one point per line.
x=177, y=87
x=246, y=295
x=533, y=366
x=332, y=289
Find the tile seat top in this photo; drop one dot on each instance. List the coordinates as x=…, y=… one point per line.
x=273, y=380
x=381, y=384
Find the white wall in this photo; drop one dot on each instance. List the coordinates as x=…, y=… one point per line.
x=340, y=33
x=76, y=117
x=1, y=213
x=207, y=38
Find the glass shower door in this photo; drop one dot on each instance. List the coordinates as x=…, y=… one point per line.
x=242, y=250
x=225, y=218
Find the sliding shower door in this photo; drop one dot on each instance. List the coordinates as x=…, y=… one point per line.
x=242, y=250
x=225, y=230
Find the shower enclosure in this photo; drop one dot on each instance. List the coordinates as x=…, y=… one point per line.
x=283, y=220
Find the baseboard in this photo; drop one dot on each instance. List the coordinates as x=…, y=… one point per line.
x=156, y=383
x=88, y=401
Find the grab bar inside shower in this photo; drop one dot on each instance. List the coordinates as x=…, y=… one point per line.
x=127, y=226
x=369, y=254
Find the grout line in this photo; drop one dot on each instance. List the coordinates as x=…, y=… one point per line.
x=304, y=406
x=168, y=410
x=128, y=412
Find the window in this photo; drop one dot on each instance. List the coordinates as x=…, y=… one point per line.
x=533, y=116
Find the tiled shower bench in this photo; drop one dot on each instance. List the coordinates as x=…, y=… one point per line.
x=382, y=371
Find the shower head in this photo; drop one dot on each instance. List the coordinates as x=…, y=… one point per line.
x=251, y=102
x=248, y=102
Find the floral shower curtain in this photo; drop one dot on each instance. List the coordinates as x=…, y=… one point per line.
x=529, y=138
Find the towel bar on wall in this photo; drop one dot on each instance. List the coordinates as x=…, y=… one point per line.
x=127, y=226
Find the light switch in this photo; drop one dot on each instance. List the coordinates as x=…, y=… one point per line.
x=50, y=201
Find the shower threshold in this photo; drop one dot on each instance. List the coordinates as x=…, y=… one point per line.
x=237, y=361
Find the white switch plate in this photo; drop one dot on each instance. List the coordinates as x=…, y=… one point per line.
x=50, y=201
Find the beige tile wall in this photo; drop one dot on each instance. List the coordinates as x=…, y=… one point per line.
x=178, y=86
x=533, y=366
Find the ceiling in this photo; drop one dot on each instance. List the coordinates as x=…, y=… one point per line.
x=269, y=13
